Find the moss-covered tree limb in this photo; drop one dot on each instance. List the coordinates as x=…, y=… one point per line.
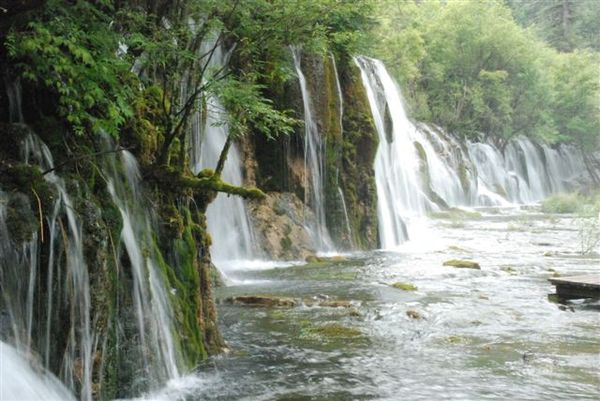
x=206, y=181
x=214, y=183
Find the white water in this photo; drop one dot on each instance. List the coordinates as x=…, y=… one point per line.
x=524, y=173
x=76, y=369
x=227, y=216
x=20, y=381
x=399, y=190
x=314, y=164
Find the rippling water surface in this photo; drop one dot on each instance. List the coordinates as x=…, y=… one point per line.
x=489, y=334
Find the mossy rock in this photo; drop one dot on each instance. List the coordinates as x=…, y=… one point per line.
x=311, y=259
x=404, y=286
x=462, y=264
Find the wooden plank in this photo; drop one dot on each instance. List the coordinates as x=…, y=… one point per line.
x=584, y=286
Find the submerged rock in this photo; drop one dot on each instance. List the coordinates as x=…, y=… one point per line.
x=328, y=303
x=262, y=300
x=463, y=264
x=413, y=314
x=404, y=286
x=325, y=259
x=335, y=330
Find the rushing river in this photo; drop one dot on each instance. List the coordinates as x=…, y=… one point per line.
x=489, y=334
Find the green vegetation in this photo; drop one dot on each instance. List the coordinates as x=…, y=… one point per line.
x=586, y=206
x=470, y=67
x=562, y=203
x=96, y=60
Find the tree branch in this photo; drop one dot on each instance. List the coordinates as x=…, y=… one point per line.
x=223, y=157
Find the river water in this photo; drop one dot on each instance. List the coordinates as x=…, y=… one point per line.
x=489, y=334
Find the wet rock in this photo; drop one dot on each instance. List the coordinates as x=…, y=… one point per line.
x=454, y=339
x=462, y=264
x=279, y=222
x=262, y=300
x=413, y=314
x=528, y=356
x=404, y=286
x=456, y=248
x=508, y=269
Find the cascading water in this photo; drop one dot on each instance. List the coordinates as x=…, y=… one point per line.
x=314, y=164
x=153, y=311
x=76, y=369
x=66, y=259
x=399, y=193
x=525, y=172
x=447, y=174
x=342, y=198
x=227, y=217
x=50, y=295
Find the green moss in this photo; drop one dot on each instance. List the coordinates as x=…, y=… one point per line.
x=286, y=244
x=335, y=331
x=460, y=263
x=404, y=286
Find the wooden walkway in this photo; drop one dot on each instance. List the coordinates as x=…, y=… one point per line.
x=585, y=286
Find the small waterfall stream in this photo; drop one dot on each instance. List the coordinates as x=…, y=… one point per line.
x=227, y=216
x=314, y=163
x=153, y=311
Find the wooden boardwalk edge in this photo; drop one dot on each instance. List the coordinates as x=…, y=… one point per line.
x=583, y=286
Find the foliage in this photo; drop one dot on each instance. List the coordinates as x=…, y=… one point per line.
x=96, y=56
x=468, y=66
x=564, y=24
x=562, y=203
x=71, y=51
x=577, y=102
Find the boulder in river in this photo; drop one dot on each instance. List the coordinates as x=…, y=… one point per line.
x=461, y=263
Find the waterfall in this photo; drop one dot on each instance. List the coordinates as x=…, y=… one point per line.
x=314, y=163
x=418, y=168
x=227, y=216
x=151, y=299
x=66, y=260
x=526, y=172
x=399, y=193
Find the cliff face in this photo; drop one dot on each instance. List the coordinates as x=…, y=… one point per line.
x=343, y=120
